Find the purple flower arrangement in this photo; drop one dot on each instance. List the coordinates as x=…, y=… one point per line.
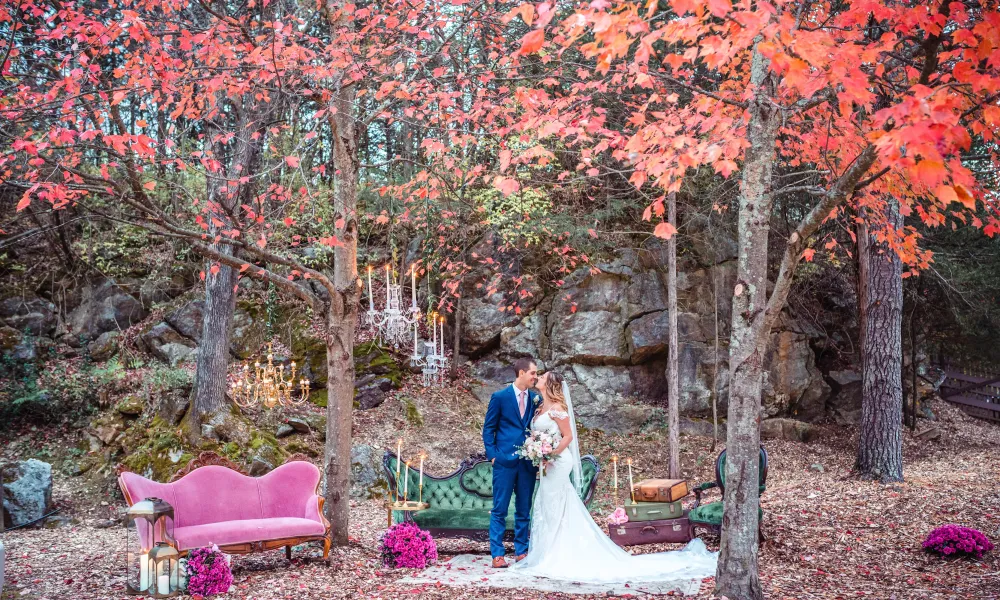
x=406, y=546
x=208, y=572
x=955, y=540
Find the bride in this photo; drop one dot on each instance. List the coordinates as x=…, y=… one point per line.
x=565, y=542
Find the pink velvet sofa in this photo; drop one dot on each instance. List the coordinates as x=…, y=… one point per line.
x=240, y=514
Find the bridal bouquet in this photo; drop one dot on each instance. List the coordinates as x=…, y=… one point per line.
x=538, y=448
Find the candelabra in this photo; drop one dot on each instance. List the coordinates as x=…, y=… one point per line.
x=392, y=324
x=267, y=384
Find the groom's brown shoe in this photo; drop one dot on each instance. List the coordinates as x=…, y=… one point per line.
x=521, y=557
x=499, y=562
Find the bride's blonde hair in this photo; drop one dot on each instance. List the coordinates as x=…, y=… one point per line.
x=553, y=389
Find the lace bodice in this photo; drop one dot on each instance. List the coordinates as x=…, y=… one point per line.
x=547, y=421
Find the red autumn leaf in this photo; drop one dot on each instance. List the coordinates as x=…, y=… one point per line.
x=664, y=230
x=149, y=185
x=506, y=185
x=532, y=42
x=808, y=254
x=292, y=161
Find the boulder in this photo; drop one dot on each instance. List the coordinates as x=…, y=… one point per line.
x=104, y=347
x=645, y=293
x=187, y=320
x=130, y=406
x=490, y=368
x=260, y=467
x=649, y=335
x=27, y=492
x=298, y=425
x=787, y=429
x=104, y=307
x=525, y=338
x=284, y=431
x=167, y=344
x=845, y=404
x=30, y=315
x=601, y=400
x=173, y=404
x=589, y=338
x=367, y=476
x=794, y=386
x=483, y=321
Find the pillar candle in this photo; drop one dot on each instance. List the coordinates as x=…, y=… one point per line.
x=144, y=571
x=406, y=481
x=421, y=469
x=413, y=282
x=434, y=318
x=631, y=491
x=614, y=461
x=163, y=585
x=371, y=305
x=387, y=287
x=415, y=338
x=399, y=452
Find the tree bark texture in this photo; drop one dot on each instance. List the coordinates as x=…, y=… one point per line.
x=220, y=287
x=737, y=576
x=880, y=287
x=673, y=411
x=343, y=308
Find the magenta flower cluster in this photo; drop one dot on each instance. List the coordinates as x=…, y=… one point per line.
x=208, y=572
x=955, y=540
x=406, y=546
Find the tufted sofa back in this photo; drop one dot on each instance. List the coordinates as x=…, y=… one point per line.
x=470, y=489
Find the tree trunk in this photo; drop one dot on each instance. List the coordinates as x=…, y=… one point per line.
x=880, y=274
x=737, y=576
x=343, y=310
x=673, y=417
x=213, y=350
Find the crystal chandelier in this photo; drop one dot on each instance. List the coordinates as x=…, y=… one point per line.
x=268, y=385
x=392, y=324
x=433, y=361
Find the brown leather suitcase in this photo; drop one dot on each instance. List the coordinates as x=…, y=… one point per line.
x=660, y=490
x=666, y=531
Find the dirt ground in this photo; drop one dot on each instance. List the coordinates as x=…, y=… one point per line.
x=829, y=535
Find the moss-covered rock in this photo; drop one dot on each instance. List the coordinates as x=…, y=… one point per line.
x=130, y=406
x=155, y=450
x=300, y=447
x=413, y=416
x=318, y=397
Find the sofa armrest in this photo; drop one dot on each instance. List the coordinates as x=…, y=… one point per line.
x=701, y=489
x=314, y=509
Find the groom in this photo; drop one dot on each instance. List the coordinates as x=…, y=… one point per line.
x=504, y=429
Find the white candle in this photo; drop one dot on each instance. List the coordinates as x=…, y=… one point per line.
x=163, y=584
x=399, y=452
x=387, y=287
x=631, y=489
x=614, y=460
x=415, y=339
x=434, y=318
x=413, y=283
x=370, y=303
x=421, y=469
x=442, y=336
x=406, y=481
x=144, y=571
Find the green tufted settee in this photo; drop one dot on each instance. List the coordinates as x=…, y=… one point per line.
x=460, y=503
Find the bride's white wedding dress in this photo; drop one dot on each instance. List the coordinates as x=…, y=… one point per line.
x=567, y=544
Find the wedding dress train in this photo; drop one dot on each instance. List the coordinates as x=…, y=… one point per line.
x=567, y=544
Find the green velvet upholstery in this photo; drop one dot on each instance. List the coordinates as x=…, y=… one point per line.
x=711, y=514
x=463, y=500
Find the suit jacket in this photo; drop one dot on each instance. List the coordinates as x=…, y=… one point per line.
x=503, y=428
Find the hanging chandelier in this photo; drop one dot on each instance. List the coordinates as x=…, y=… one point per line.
x=433, y=362
x=267, y=385
x=392, y=324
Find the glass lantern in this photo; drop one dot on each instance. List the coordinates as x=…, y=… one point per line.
x=152, y=563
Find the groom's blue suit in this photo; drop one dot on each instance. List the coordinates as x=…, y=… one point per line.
x=504, y=429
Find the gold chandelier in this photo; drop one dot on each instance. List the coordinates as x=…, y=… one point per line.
x=267, y=385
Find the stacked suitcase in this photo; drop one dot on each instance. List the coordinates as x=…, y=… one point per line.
x=655, y=515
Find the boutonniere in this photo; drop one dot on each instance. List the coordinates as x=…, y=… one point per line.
x=535, y=400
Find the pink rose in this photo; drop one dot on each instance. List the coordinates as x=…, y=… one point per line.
x=546, y=447
x=618, y=517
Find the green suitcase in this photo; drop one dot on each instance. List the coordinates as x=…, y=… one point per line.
x=653, y=511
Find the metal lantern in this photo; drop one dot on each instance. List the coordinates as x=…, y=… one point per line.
x=152, y=563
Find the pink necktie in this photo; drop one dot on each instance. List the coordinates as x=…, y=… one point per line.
x=520, y=403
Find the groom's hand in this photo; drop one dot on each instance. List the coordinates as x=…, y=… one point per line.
x=492, y=460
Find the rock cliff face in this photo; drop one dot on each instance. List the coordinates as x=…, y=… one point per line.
x=607, y=332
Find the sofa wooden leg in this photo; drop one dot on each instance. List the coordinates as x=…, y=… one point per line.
x=288, y=552
x=326, y=549
x=760, y=535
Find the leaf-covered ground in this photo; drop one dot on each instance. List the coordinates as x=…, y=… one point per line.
x=829, y=535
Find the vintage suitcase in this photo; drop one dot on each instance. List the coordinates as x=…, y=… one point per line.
x=660, y=490
x=653, y=511
x=666, y=531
